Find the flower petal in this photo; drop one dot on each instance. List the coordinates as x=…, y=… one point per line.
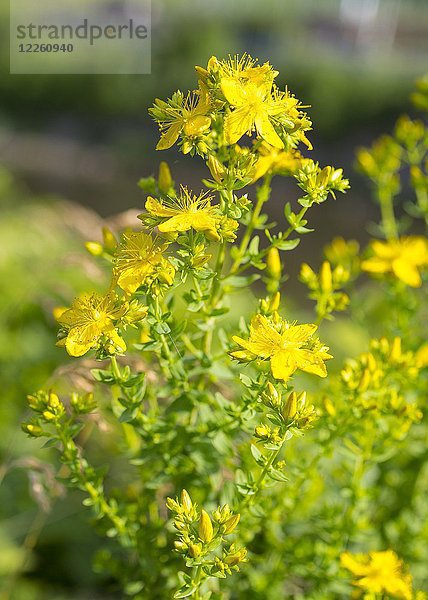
x=238, y=123
x=266, y=130
x=283, y=365
x=196, y=125
x=407, y=272
x=234, y=91
x=156, y=208
x=170, y=136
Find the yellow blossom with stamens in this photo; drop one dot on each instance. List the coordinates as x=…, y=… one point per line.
x=91, y=317
x=289, y=347
x=404, y=258
x=245, y=68
x=188, y=211
x=140, y=260
x=379, y=573
x=188, y=115
x=272, y=160
x=255, y=105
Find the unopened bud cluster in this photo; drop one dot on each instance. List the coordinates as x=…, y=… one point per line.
x=201, y=535
x=324, y=287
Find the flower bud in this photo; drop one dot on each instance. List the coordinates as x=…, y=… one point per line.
x=217, y=170
x=364, y=381
x=231, y=524
x=31, y=429
x=395, y=353
x=94, y=248
x=290, y=407
x=329, y=407
x=54, y=401
x=202, y=147
x=165, y=182
x=371, y=362
x=58, y=311
x=274, y=395
x=186, y=502
x=172, y=505
x=48, y=415
x=262, y=431
x=187, y=146
x=325, y=277
x=110, y=242
x=236, y=557
x=308, y=276
x=195, y=550
x=213, y=64
x=275, y=302
x=202, y=73
x=273, y=263
x=180, y=546
x=205, y=527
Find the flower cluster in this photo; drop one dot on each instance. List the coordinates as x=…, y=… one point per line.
x=201, y=539
x=193, y=405
x=187, y=211
x=234, y=97
x=94, y=321
x=404, y=258
x=287, y=346
x=324, y=287
x=379, y=573
x=378, y=382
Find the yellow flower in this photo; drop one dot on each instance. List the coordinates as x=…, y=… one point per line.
x=421, y=357
x=245, y=68
x=90, y=318
x=254, y=107
x=289, y=347
x=188, y=211
x=140, y=260
x=277, y=161
x=379, y=572
x=404, y=258
x=187, y=115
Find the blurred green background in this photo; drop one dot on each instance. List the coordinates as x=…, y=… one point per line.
x=73, y=148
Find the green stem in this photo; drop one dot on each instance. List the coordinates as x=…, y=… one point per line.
x=389, y=224
x=263, y=194
x=292, y=228
x=71, y=458
x=274, y=455
x=165, y=346
x=198, y=580
x=115, y=368
x=215, y=296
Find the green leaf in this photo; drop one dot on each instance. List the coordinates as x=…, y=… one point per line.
x=133, y=587
x=162, y=327
x=247, y=381
x=103, y=376
x=301, y=229
x=287, y=244
x=185, y=591
x=219, y=311
x=257, y=455
x=129, y=414
x=253, y=248
x=241, y=282
x=50, y=443
x=148, y=184
x=277, y=475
